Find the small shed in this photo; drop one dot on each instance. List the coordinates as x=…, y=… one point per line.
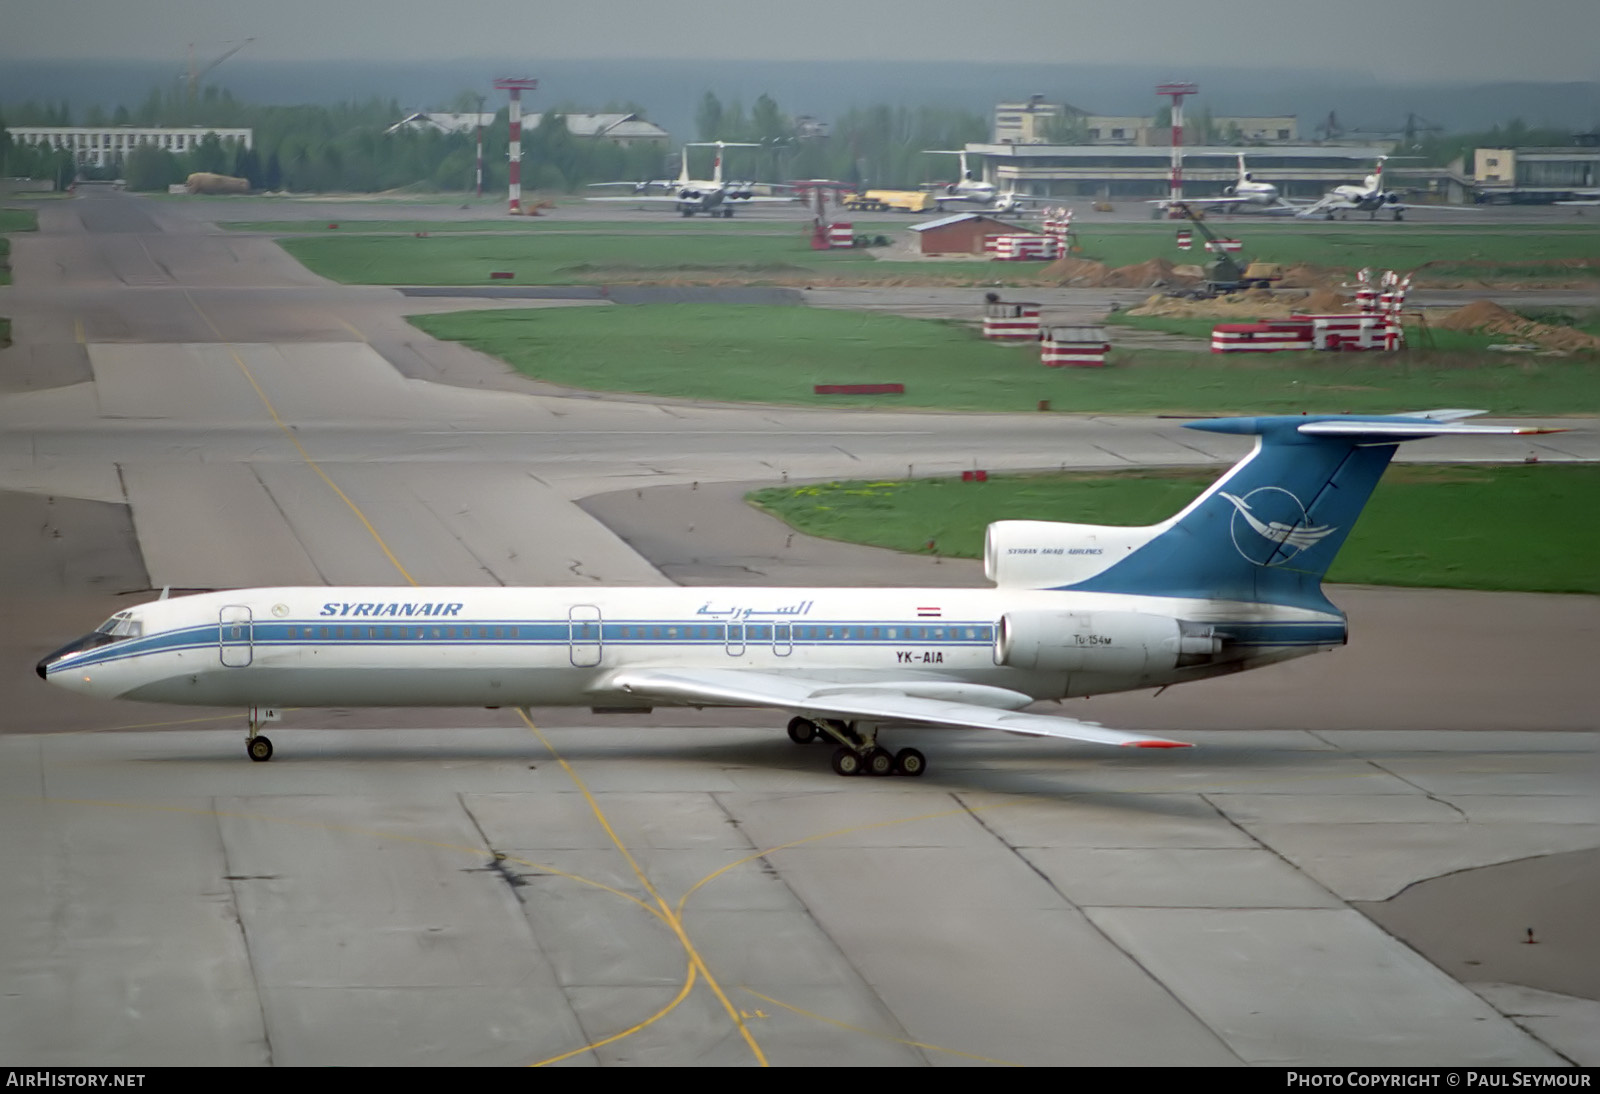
x=964, y=233
x=1074, y=347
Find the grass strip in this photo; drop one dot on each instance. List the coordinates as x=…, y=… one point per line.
x=751, y=353
x=1528, y=528
x=576, y=252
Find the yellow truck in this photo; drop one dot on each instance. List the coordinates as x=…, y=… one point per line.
x=901, y=201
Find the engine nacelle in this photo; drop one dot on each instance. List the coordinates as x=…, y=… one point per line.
x=1228, y=191
x=1116, y=643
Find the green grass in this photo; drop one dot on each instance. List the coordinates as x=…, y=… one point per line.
x=1521, y=527
x=13, y=220
x=557, y=252
x=575, y=258
x=1455, y=251
x=18, y=220
x=746, y=353
x=645, y=225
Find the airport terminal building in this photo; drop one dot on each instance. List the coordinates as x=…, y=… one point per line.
x=1106, y=172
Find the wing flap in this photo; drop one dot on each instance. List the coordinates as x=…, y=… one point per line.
x=873, y=702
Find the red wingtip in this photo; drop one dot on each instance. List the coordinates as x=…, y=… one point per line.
x=1159, y=743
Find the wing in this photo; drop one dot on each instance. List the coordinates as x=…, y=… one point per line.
x=1325, y=205
x=1203, y=201
x=644, y=185
x=638, y=198
x=903, y=702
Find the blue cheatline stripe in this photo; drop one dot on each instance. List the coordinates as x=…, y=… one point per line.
x=560, y=634
x=504, y=633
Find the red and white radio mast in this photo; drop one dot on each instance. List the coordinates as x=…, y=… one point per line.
x=516, y=86
x=1176, y=93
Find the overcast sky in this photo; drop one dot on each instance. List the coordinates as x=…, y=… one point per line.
x=1392, y=39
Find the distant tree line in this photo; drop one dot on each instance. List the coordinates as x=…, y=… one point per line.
x=1443, y=149
x=882, y=146
x=346, y=146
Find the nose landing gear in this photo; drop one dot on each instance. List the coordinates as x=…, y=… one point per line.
x=256, y=746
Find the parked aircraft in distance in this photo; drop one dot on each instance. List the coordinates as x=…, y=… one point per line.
x=1370, y=197
x=1232, y=582
x=970, y=188
x=715, y=196
x=1009, y=201
x=1244, y=194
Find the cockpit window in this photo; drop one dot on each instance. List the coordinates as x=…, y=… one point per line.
x=121, y=625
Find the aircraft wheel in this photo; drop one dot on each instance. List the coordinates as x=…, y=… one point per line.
x=802, y=731
x=908, y=761
x=846, y=762
x=259, y=749
x=879, y=761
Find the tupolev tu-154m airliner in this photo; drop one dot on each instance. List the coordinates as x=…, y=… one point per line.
x=1232, y=582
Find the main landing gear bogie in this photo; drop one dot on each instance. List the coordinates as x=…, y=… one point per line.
x=857, y=754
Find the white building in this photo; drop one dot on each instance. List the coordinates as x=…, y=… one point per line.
x=1110, y=171
x=1038, y=122
x=101, y=146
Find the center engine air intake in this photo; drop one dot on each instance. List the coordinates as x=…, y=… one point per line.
x=1104, y=642
x=1043, y=554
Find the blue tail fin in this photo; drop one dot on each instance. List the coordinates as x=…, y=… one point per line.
x=1268, y=530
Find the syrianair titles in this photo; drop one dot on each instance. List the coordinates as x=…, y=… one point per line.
x=1232, y=582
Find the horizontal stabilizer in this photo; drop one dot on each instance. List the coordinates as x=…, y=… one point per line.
x=1397, y=430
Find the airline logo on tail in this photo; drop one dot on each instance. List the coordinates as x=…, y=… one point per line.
x=1280, y=540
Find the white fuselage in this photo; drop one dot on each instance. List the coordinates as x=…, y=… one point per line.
x=1366, y=197
x=561, y=646
x=1257, y=193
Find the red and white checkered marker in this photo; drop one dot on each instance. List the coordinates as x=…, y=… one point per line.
x=1185, y=240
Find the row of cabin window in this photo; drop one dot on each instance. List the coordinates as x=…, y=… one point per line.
x=588, y=631
x=403, y=632
x=761, y=632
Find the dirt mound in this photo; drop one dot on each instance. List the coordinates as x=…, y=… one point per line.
x=1323, y=302
x=1150, y=274
x=1076, y=271
x=1487, y=317
x=1306, y=277
x=1245, y=306
x=1481, y=315
x=1154, y=274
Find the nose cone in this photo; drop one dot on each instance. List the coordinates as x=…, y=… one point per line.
x=87, y=642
